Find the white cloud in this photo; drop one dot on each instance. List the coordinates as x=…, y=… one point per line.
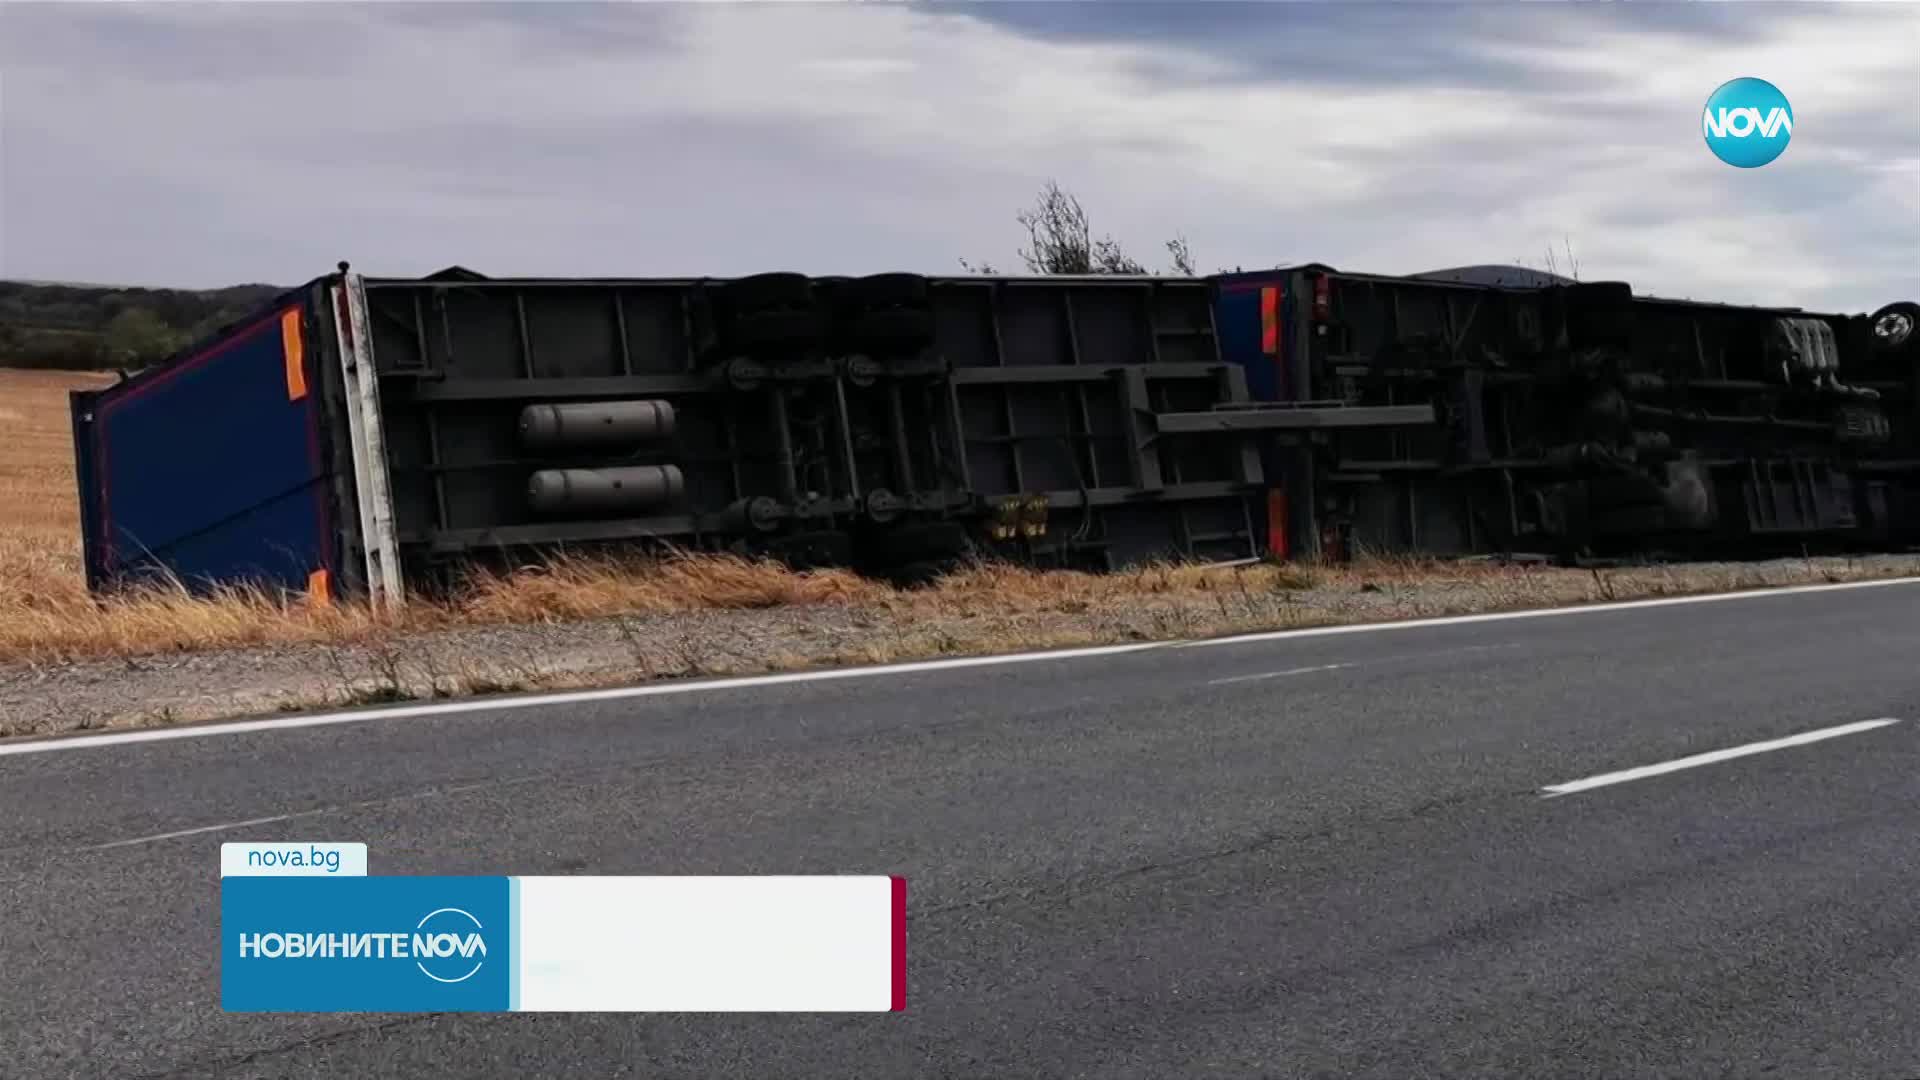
x=174, y=144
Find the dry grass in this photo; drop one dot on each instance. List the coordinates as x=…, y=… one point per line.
x=65, y=623
x=47, y=616
x=578, y=588
x=39, y=507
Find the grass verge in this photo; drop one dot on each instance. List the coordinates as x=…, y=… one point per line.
x=579, y=624
x=40, y=624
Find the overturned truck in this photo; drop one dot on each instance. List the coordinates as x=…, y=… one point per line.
x=364, y=436
x=1577, y=418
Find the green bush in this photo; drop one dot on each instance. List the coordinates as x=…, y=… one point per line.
x=90, y=328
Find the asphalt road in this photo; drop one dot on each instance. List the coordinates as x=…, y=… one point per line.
x=1318, y=856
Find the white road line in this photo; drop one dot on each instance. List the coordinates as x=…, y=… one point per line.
x=579, y=697
x=196, y=832
x=1539, y=613
x=570, y=697
x=1277, y=674
x=1428, y=655
x=1697, y=760
x=223, y=826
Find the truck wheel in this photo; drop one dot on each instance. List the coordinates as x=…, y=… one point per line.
x=761, y=291
x=1599, y=314
x=1896, y=326
x=767, y=330
x=887, y=290
x=769, y=311
x=887, y=312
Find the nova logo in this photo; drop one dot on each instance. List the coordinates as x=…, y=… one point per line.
x=1747, y=123
x=455, y=940
x=446, y=946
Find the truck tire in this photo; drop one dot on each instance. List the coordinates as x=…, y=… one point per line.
x=758, y=292
x=1600, y=314
x=886, y=312
x=767, y=311
x=764, y=330
x=887, y=290
x=1896, y=328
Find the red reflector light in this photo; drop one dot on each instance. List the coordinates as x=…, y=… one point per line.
x=1322, y=299
x=1270, y=321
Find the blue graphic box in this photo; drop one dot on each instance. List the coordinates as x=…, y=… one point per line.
x=366, y=944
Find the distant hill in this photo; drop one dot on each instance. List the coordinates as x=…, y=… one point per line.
x=87, y=327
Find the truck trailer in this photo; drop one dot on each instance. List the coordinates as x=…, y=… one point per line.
x=1577, y=417
x=364, y=437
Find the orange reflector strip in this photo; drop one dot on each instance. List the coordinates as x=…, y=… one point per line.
x=320, y=589
x=1277, y=523
x=1270, y=321
x=295, y=349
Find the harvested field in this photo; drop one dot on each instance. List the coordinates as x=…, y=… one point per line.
x=39, y=507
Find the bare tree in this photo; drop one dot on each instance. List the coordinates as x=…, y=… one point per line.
x=1182, y=256
x=1109, y=259
x=1553, y=261
x=1060, y=241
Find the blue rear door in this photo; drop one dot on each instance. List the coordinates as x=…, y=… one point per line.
x=211, y=468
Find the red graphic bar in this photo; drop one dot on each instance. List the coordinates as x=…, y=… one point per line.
x=899, y=944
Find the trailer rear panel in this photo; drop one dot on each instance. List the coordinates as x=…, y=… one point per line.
x=211, y=469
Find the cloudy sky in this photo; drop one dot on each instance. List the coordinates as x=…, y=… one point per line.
x=179, y=144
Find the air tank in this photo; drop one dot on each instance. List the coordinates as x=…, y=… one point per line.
x=592, y=424
x=604, y=491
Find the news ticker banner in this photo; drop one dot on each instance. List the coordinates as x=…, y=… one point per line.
x=297, y=936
